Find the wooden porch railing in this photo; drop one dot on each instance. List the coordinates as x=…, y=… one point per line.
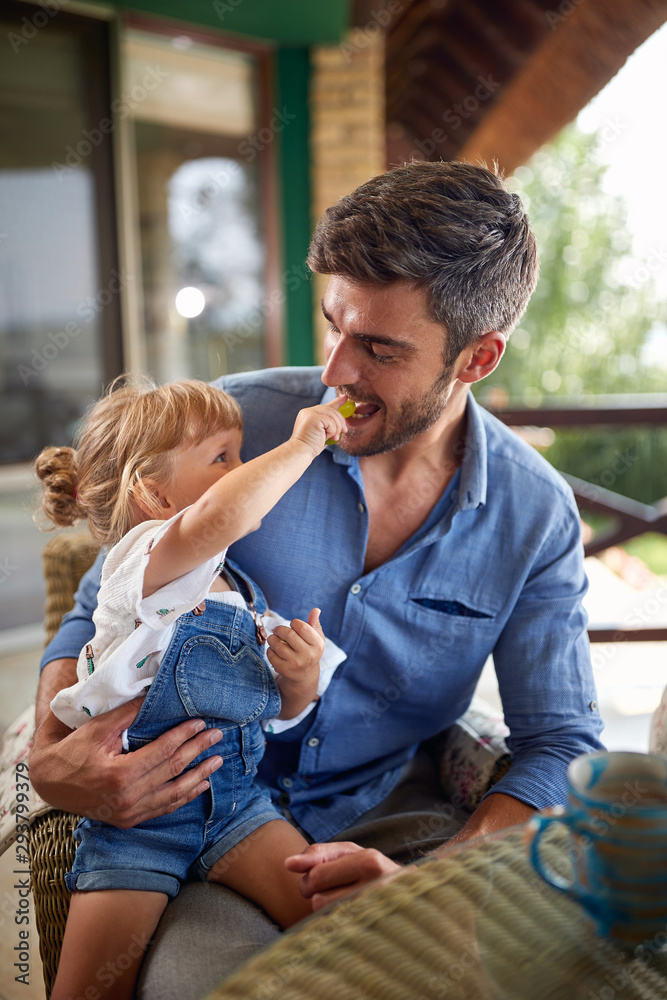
x=631, y=517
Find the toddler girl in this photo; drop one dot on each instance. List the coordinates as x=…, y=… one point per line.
x=158, y=474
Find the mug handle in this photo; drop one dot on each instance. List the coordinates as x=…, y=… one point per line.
x=534, y=831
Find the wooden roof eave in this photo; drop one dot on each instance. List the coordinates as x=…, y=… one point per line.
x=573, y=63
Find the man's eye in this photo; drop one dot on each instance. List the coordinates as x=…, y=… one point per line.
x=380, y=358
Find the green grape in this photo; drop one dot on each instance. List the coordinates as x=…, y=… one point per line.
x=347, y=409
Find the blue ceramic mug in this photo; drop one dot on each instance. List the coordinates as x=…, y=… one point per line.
x=617, y=819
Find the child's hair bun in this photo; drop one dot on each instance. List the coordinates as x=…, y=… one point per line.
x=57, y=468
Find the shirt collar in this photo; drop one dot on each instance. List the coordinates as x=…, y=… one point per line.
x=472, y=491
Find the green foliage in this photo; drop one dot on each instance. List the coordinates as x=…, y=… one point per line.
x=626, y=460
x=585, y=326
x=651, y=549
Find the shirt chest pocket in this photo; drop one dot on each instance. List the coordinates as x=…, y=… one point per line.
x=453, y=610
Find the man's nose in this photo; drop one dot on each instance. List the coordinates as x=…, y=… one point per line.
x=341, y=366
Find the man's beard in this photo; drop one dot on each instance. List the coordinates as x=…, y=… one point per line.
x=412, y=419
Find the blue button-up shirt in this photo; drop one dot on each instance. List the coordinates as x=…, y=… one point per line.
x=496, y=569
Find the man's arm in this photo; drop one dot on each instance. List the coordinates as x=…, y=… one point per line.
x=546, y=683
x=543, y=664
x=496, y=812
x=84, y=770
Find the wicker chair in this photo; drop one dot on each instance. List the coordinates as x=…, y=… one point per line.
x=472, y=757
x=66, y=558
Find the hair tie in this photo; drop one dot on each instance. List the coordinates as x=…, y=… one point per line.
x=74, y=496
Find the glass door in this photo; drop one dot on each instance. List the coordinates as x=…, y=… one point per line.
x=59, y=278
x=203, y=242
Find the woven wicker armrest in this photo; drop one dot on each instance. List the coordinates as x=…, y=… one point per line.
x=476, y=924
x=66, y=558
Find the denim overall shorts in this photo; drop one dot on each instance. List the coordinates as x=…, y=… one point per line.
x=213, y=669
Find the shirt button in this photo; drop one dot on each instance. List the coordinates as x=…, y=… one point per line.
x=287, y=782
x=355, y=588
x=362, y=508
x=313, y=741
x=593, y=706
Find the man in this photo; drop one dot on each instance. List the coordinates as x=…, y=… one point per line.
x=431, y=537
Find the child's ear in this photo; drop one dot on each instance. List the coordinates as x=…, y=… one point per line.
x=151, y=499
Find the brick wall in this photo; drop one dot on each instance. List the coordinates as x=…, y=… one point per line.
x=347, y=127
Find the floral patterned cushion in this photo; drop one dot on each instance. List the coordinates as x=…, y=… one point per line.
x=472, y=754
x=18, y=799
x=658, y=735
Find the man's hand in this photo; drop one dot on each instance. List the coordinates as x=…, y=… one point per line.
x=85, y=771
x=334, y=870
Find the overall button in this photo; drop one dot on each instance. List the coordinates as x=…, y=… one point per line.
x=355, y=588
x=284, y=799
x=313, y=741
x=362, y=508
x=286, y=782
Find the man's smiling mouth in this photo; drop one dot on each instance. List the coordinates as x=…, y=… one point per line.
x=362, y=410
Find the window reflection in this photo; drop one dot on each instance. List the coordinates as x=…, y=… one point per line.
x=50, y=313
x=199, y=207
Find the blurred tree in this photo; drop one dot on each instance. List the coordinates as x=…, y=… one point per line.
x=592, y=325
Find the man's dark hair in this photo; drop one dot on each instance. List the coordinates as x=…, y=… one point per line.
x=451, y=228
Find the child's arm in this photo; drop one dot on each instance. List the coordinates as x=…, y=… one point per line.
x=294, y=653
x=233, y=505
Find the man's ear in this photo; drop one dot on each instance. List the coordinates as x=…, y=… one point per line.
x=482, y=357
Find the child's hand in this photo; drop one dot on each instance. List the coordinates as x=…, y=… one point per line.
x=294, y=653
x=315, y=425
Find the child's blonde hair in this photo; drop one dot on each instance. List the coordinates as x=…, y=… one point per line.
x=130, y=435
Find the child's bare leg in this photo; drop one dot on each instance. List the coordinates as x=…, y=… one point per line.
x=256, y=869
x=106, y=936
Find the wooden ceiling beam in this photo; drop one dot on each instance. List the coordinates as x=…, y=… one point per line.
x=576, y=59
x=469, y=30
x=404, y=28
